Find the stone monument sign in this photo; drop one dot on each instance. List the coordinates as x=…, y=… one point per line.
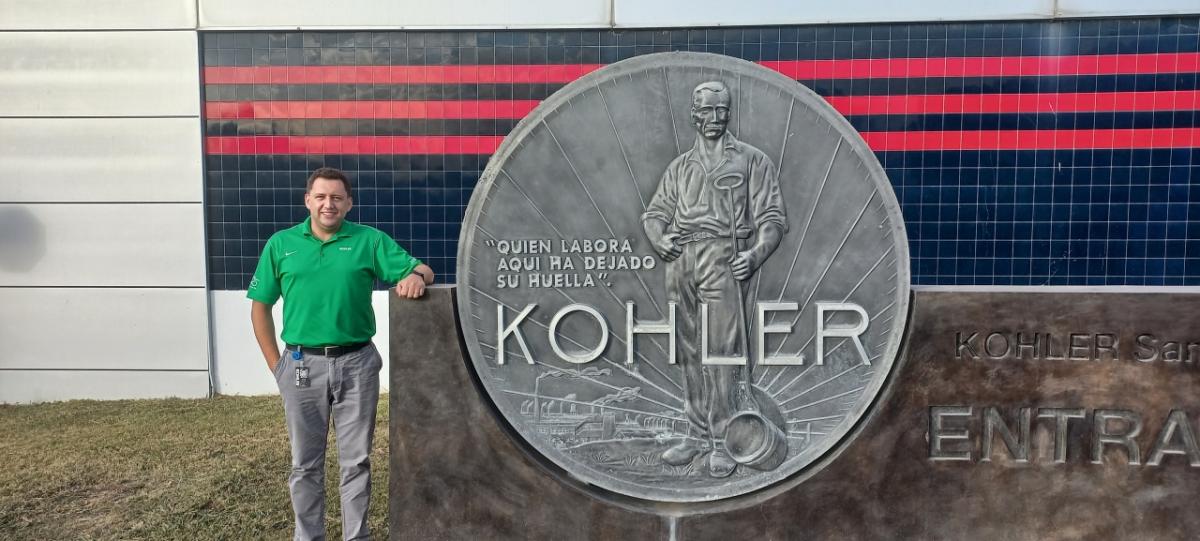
x=683, y=313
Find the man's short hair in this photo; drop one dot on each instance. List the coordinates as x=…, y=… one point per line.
x=328, y=173
x=716, y=87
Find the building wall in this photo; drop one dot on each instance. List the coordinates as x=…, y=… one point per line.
x=1023, y=153
x=507, y=14
x=1033, y=149
x=102, y=268
x=1051, y=152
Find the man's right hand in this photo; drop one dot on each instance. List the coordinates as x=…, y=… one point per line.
x=264, y=332
x=666, y=247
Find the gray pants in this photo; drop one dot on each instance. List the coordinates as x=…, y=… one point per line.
x=347, y=386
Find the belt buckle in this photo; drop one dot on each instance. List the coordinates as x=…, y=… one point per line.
x=330, y=350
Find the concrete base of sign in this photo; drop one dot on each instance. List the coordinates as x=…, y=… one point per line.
x=1010, y=416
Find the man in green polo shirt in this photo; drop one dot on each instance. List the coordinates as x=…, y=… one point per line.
x=324, y=268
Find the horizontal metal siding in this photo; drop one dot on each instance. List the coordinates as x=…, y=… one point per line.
x=674, y=13
x=103, y=328
x=101, y=159
x=98, y=74
x=23, y=386
x=368, y=13
x=465, y=14
x=1120, y=8
x=101, y=217
x=97, y=14
x=83, y=245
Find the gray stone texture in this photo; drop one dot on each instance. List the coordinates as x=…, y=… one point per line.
x=736, y=186
x=458, y=473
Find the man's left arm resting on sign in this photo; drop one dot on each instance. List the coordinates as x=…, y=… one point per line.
x=413, y=285
x=394, y=264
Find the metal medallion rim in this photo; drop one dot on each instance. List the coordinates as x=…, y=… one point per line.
x=847, y=429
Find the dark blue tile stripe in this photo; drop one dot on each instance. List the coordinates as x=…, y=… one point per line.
x=1038, y=38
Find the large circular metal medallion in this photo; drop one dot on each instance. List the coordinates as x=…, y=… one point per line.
x=683, y=277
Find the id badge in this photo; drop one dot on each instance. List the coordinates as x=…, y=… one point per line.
x=302, y=376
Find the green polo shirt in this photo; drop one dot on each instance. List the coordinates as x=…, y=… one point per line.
x=326, y=286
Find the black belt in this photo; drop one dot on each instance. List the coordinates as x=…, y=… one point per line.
x=330, y=351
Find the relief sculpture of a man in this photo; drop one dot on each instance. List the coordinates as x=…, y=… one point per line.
x=716, y=216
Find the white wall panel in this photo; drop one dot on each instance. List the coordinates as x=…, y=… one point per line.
x=640, y=13
x=97, y=14
x=111, y=328
x=1095, y=8
x=407, y=13
x=101, y=245
x=23, y=386
x=100, y=159
x=99, y=74
x=238, y=366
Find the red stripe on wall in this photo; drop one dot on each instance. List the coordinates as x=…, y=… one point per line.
x=1183, y=100
x=1033, y=139
x=878, y=141
x=868, y=68
x=449, y=109
x=989, y=66
x=297, y=75
x=387, y=144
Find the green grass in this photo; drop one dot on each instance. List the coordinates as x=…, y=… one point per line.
x=160, y=469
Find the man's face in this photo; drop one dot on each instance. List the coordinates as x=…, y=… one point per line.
x=328, y=203
x=710, y=114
